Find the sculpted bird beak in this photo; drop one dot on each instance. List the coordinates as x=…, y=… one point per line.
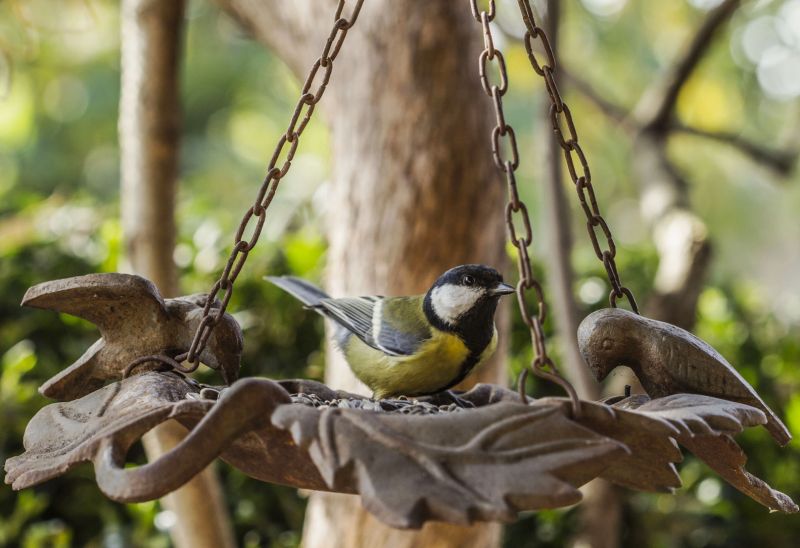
x=502, y=289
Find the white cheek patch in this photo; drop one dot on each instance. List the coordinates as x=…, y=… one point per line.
x=451, y=301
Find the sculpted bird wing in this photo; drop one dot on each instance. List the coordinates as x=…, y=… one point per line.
x=392, y=325
x=696, y=366
x=110, y=301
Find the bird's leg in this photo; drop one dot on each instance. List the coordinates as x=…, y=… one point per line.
x=392, y=404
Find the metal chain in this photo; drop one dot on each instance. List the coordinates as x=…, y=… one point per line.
x=516, y=213
x=253, y=220
x=574, y=157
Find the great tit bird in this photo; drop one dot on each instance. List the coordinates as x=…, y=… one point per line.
x=413, y=346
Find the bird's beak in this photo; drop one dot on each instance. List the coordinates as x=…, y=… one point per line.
x=502, y=289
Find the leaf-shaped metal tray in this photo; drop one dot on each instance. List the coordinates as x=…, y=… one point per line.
x=411, y=461
x=482, y=463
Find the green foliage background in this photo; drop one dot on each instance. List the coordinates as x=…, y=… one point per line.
x=59, y=217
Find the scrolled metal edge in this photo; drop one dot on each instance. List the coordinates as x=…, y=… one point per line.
x=245, y=406
x=105, y=439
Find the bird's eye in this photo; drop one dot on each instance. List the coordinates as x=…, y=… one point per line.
x=468, y=280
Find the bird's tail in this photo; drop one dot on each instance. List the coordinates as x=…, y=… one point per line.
x=777, y=429
x=305, y=292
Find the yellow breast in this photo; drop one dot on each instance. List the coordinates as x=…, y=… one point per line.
x=433, y=367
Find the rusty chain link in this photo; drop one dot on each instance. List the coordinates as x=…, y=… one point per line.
x=575, y=159
x=320, y=73
x=518, y=223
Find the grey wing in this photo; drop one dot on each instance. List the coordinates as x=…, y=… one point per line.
x=399, y=343
x=363, y=316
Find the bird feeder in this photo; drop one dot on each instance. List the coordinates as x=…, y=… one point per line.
x=411, y=461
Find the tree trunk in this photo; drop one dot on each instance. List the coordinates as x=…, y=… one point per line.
x=414, y=190
x=414, y=193
x=149, y=134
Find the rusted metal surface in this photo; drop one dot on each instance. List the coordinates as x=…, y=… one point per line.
x=649, y=464
x=411, y=461
x=394, y=461
x=134, y=321
x=483, y=463
x=486, y=463
x=706, y=428
x=667, y=360
x=101, y=427
x=652, y=430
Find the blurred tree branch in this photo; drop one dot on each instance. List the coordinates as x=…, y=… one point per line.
x=149, y=137
x=601, y=510
x=560, y=274
x=657, y=104
x=780, y=161
x=680, y=236
x=294, y=28
x=610, y=109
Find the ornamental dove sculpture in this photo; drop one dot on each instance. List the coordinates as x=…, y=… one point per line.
x=667, y=360
x=134, y=321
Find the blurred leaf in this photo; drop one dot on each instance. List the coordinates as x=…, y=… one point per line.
x=303, y=252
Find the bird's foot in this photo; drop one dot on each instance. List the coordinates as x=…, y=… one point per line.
x=393, y=404
x=452, y=397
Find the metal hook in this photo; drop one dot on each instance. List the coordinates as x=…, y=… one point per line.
x=538, y=368
x=174, y=364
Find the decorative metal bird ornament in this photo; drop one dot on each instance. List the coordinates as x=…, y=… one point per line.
x=667, y=360
x=134, y=321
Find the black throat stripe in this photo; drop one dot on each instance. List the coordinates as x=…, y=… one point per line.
x=475, y=328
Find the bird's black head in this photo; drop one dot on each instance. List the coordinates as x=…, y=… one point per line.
x=464, y=299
